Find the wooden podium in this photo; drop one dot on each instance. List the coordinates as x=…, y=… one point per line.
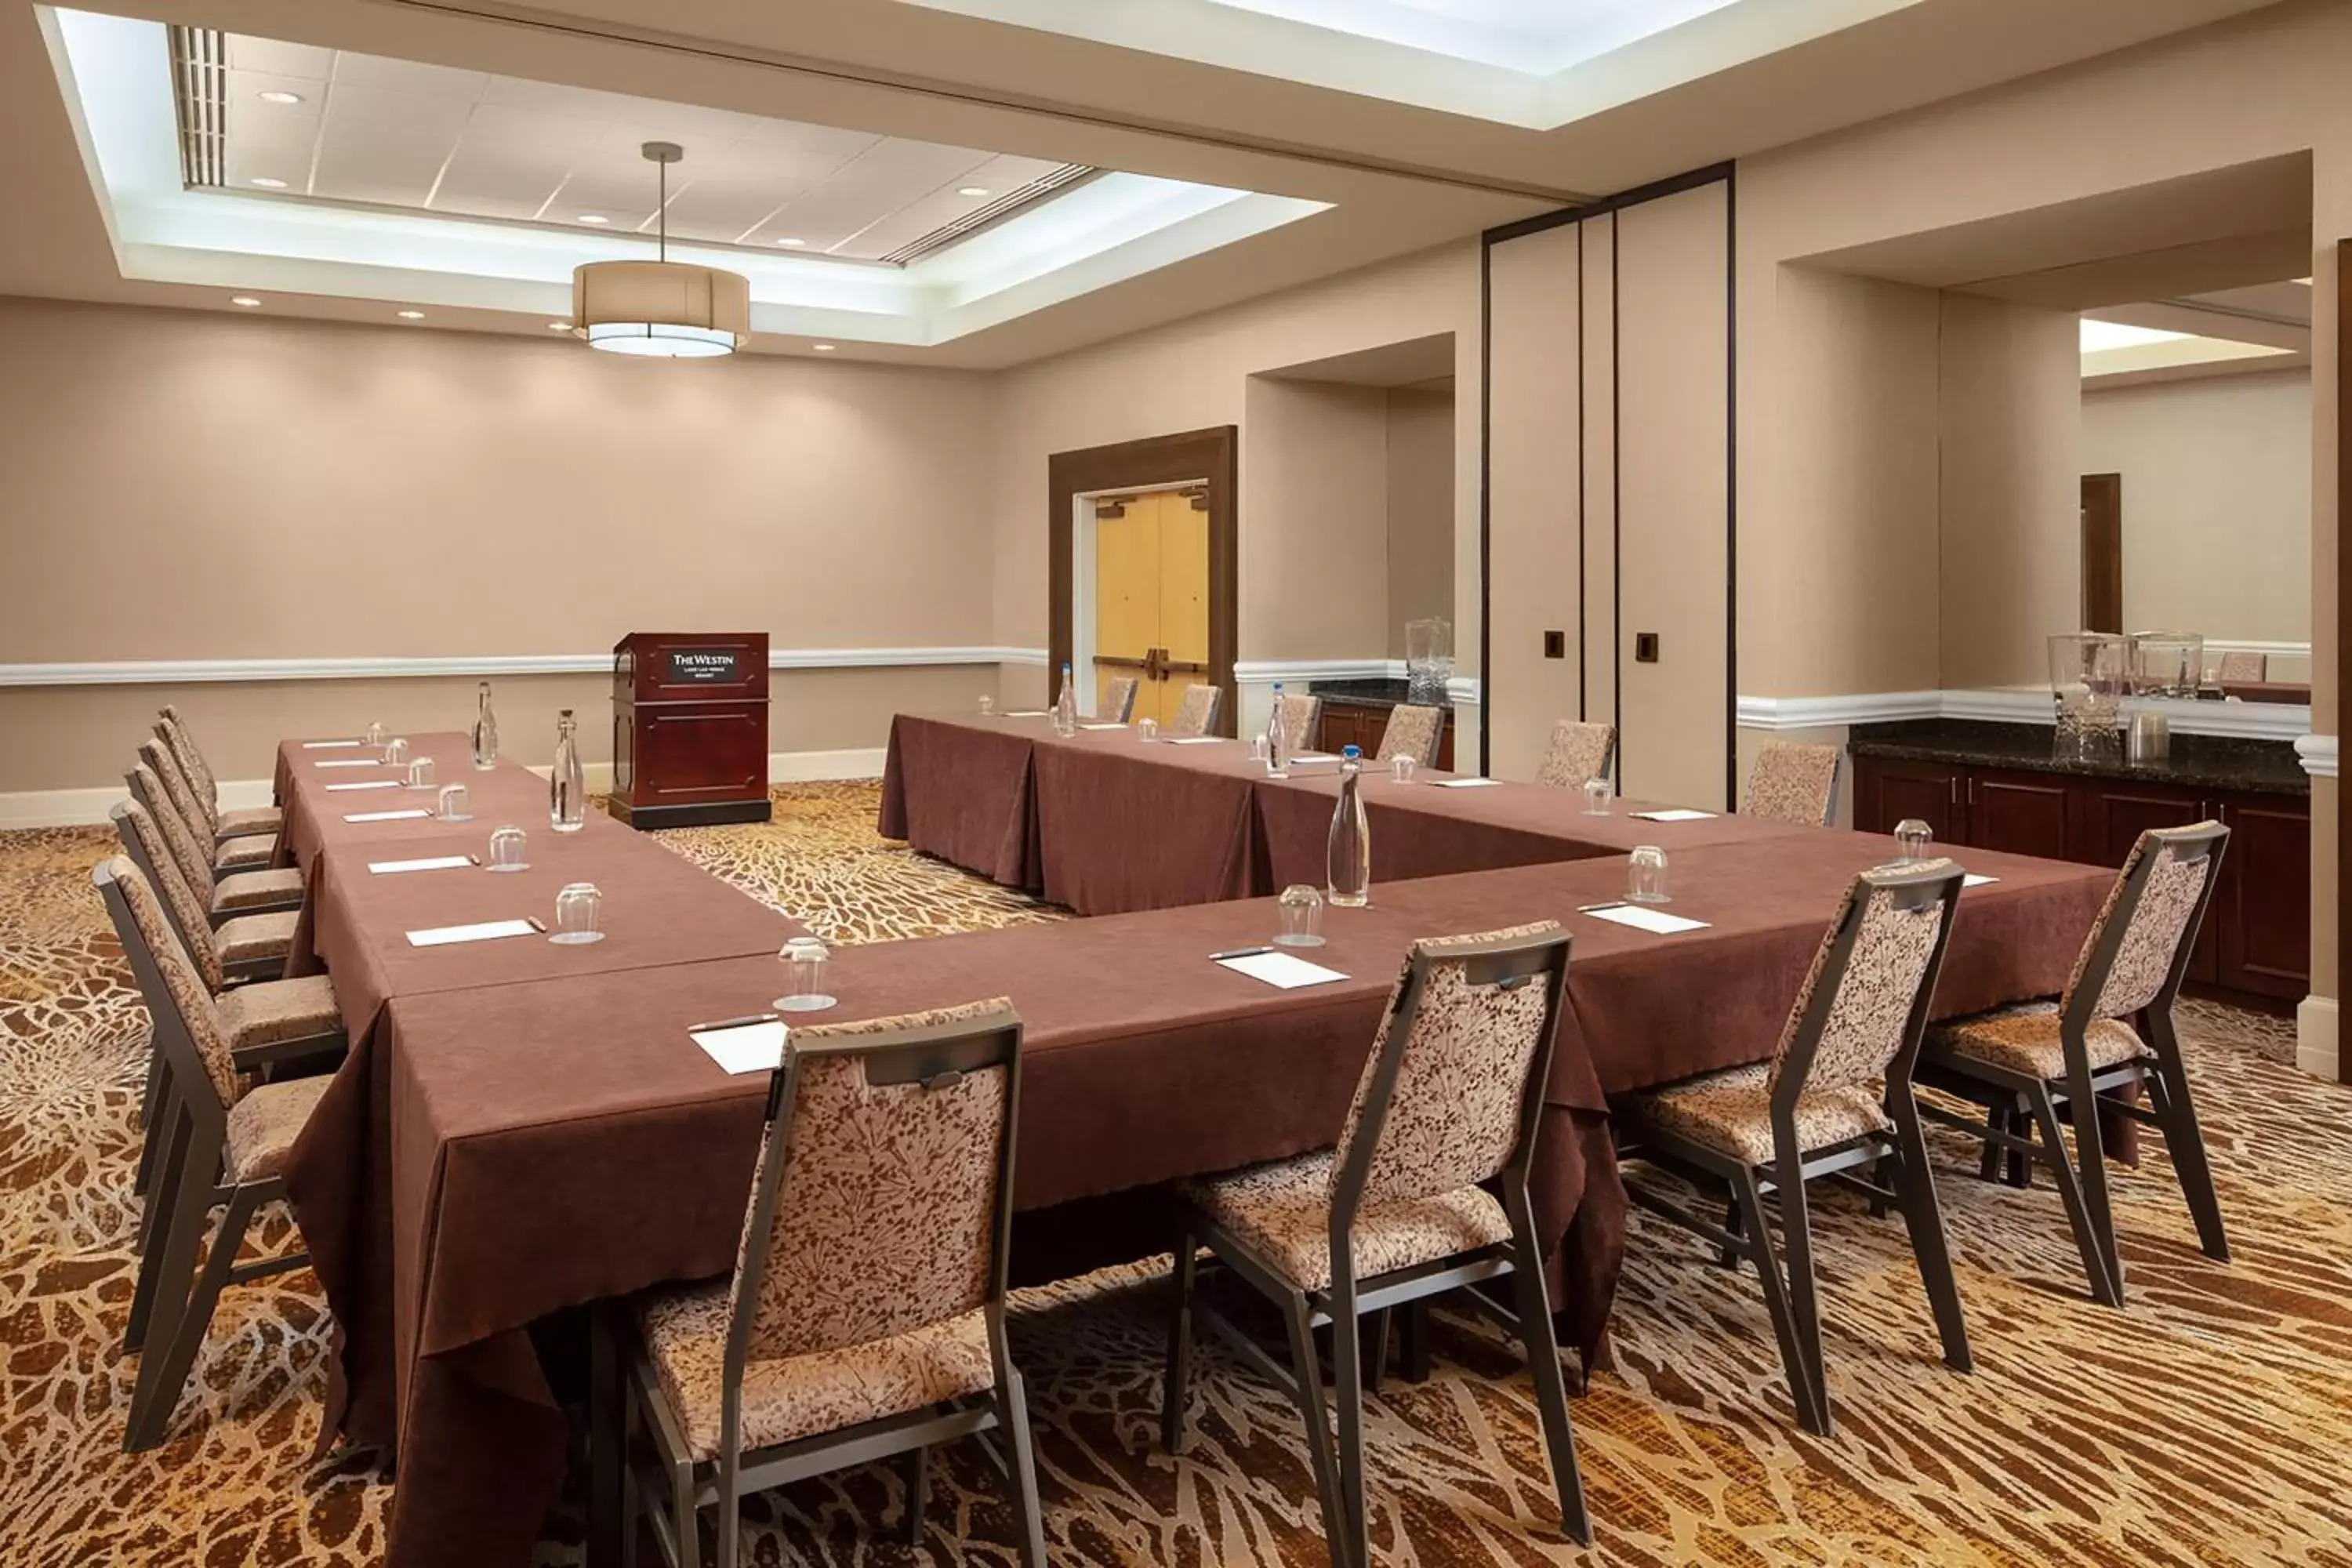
x=690, y=728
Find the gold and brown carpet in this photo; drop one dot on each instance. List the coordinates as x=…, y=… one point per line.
x=2209, y=1422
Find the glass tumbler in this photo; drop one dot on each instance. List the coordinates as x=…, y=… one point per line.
x=577, y=909
x=507, y=851
x=1912, y=840
x=1148, y=729
x=455, y=804
x=1260, y=748
x=1646, y=876
x=987, y=705
x=375, y=733
x=395, y=752
x=1302, y=917
x=1401, y=768
x=420, y=773
x=804, y=960
x=1598, y=793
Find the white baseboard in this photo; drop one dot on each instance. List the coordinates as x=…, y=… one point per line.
x=807, y=767
x=2314, y=1037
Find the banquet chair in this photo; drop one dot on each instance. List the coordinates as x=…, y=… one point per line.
x=1118, y=699
x=2240, y=666
x=865, y=1316
x=1413, y=731
x=174, y=733
x=229, y=946
x=244, y=852
x=1399, y=1210
x=1198, y=716
x=1578, y=752
x=1834, y=1102
x=225, y=1138
x=1791, y=782
x=229, y=894
x=2031, y=1065
x=1300, y=714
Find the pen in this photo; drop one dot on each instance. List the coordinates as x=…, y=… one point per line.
x=1238, y=952
x=734, y=1023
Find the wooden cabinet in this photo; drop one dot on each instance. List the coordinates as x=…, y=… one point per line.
x=2256, y=946
x=1361, y=724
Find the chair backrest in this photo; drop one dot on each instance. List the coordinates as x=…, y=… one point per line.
x=178, y=840
x=2240, y=666
x=1198, y=716
x=1578, y=752
x=1453, y=1086
x=883, y=1193
x=1413, y=731
x=181, y=1007
x=1118, y=699
x=1791, y=782
x=179, y=794
x=2138, y=947
x=1863, y=1010
x=189, y=916
x=1300, y=715
x=174, y=733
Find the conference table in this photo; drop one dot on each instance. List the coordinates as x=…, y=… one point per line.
x=521, y=1129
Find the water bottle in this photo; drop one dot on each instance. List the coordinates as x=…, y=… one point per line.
x=1350, y=859
x=1277, y=741
x=567, y=787
x=1066, y=707
x=486, y=729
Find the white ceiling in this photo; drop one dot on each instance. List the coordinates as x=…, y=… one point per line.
x=399, y=133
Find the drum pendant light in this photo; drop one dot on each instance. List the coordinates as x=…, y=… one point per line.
x=665, y=309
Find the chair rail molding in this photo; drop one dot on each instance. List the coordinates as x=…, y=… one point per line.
x=208, y=671
x=1462, y=691
x=2252, y=721
x=2319, y=754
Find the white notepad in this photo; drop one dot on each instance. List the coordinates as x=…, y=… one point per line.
x=1313, y=757
x=385, y=815
x=331, y=745
x=1465, y=783
x=431, y=863
x=1281, y=969
x=756, y=1047
x=347, y=762
x=1641, y=917
x=1195, y=740
x=482, y=931
x=1026, y=713
x=1102, y=726
x=369, y=784
x=1973, y=879
x=1675, y=814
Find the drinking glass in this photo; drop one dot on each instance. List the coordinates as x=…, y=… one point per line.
x=1912, y=838
x=576, y=910
x=375, y=733
x=455, y=806
x=1260, y=748
x=987, y=705
x=803, y=958
x=395, y=752
x=507, y=851
x=1147, y=729
x=1598, y=793
x=1401, y=768
x=420, y=773
x=1302, y=917
x=1646, y=876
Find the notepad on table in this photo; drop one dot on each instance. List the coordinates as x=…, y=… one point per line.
x=1281, y=969
x=1977, y=879
x=331, y=745
x=481, y=931
x=369, y=784
x=1675, y=814
x=757, y=1046
x=1195, y=740
x=1313, y=757
x=1465, y=783
x=430, y=863
x=1643, y=918
x=1024, y=713
x=385, y=815
x=1110, y=726
x=347, y=762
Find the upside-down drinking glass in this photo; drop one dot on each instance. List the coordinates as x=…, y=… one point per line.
x=1401, y=768
x=805, y=959
x=1913, y=838
x=395, y=752
x=1302, y=917
x=1645, y=875
x=1598, y=793
x=506, y=846
x=420, y=773
x=1147, y=727
x=455, y=806
x=577, y=909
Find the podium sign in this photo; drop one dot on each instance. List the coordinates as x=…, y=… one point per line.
x=690, y=728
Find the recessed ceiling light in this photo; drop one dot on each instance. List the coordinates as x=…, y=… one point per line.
x=822, y=348
x=266, y=184
x=277, y=96
x=559, y=326
x=411, y=315
x=594, y=217
x=247, y=300
x=795, y=241
x=972, y=190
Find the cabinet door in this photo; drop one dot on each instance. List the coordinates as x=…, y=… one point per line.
x=2262, y=906
x=1886, y=791
x=2115, y=814
x=2023, y=813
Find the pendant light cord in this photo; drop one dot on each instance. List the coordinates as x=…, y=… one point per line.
x=661, y=216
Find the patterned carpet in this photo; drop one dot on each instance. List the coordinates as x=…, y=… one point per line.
x=2211, y=1422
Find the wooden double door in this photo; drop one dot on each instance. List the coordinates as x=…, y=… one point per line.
x=1151, y=598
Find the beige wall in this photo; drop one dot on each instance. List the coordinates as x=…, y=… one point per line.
x=1420, y=510
x=2011, y=438
x=2216, y=503
x=1315, y=485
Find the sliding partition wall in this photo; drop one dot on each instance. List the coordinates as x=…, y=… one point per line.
x=1608, y=530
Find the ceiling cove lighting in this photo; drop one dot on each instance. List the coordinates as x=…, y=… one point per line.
x=663, y=308
x=822, y=348
x=972, y=190
x=276, y=95
x=265, y=183
x=247, y=300
x=411, y=315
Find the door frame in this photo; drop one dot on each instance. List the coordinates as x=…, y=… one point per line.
x=2103, y=507
x=1157, y=462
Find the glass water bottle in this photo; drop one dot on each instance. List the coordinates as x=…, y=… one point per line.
x=1350, y=859
x=1277, y=740
x=567, y=787
x=1065, y=706
x=486, y=729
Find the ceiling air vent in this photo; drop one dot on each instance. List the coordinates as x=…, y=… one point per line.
x=200, y=96
x=1067, y=177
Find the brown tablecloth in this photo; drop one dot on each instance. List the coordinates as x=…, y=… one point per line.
x=562, y=1141
x=963, y=792
x=509, y=793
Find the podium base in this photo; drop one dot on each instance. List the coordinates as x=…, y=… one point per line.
x=703, y=814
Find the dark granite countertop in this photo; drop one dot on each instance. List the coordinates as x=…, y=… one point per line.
x=2197, y=762
x=1376, y=692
